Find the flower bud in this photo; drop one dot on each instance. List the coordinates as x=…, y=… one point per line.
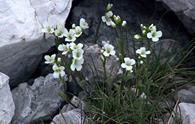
x=124, y=23
x=117, y=19
x=109, y=6
x=113, y=24
x=137, y=36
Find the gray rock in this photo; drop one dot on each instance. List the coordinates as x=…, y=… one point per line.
x=7, y=106
x=38, y=102
x=185, y=10
x=186, y=112
x=134, y=12
x=186, y=94
x=93, y=66
x=75, y=103
x=21, y=40
x=75, y=116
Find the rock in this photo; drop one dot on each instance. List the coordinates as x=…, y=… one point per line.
x=187, y=113
x=134, y=12
x=75, y=116
x=7, y=106
x=185, y=10
x=21, y=40
x=38, y=102
x=186, y=94
x=75, y=103
x=93, y=66
x=167, y=50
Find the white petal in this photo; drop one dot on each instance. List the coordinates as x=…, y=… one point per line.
x=159, y=33
x=72, y=67
x=123, y=65
x=138, y=51
x=78, y=67
x=155, y=39
x=56, y=75
x=129, y=68
x=149, y=35
x=112, y=52
x=62, y=73
x=143, y=55
x=103, y=18
x=126, y=59
x=133, y=62
x=148, y=52
x=105, y=54
x=61, y=47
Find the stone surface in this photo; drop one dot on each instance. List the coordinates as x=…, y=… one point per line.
x=71, y=113
x=185, y=10
x=166, y=48
x=38, y=102
x=75, y=116
x=93, y=66
x=75, y=103
x=187, y=112
x=134, y=12
x=7, y=106
x=186, y=94
x=21, y=39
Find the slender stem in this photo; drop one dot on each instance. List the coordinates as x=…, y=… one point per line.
x=97, y=31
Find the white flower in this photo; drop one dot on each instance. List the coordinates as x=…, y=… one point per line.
x=58, y=71
x=70, y=36
x=141, y=62
x=108, y=50
x=109, y=6
x=128, y=64
x=47, y=29
x=50, y=59
x=64, y=48
x=77, y=64
x=107, y=18
x=74, y=46
x=124, y=23
x=142, y=52
x=83, y=24
x=78, y=31
x=77, y=53
x=154, y=35
x=59, y=32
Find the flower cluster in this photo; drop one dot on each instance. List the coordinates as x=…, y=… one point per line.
x=76, y=52
x=70, y=35
x=57, y=68
x=112, y=20
x=150, y=32
x=70, y=49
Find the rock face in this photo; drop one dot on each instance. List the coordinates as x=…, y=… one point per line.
x=134, y=12
x=38, y=102
x=93, y=66
x=185, y=10
x=21, y=40
x=7, y=106
x=187, y=112
x=74, y=116
x=187, y=94
x=71, y=113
